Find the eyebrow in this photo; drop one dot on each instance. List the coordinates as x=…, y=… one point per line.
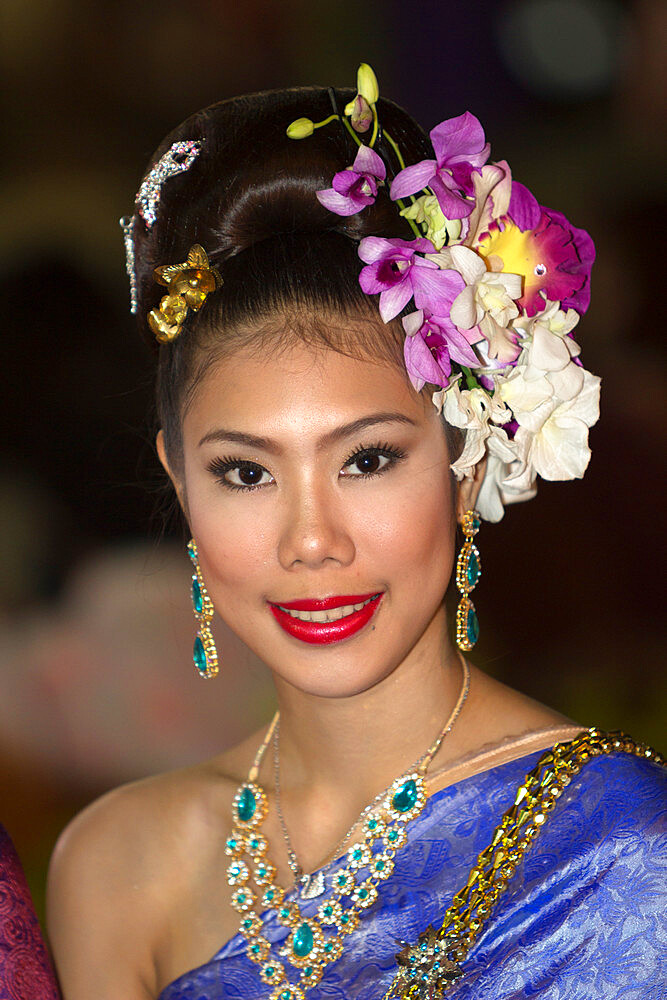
x=222, y=434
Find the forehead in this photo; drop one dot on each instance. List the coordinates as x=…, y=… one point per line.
x=300, y=388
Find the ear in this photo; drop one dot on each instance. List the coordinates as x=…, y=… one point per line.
x=176, y=481
x=468, y=490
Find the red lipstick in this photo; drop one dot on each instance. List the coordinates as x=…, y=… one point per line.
x=319, y=633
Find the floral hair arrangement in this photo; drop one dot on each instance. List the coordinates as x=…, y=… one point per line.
x=498, y=284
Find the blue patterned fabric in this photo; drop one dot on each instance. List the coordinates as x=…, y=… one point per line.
x=583, y=917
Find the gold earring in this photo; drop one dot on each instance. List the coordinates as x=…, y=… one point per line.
x=468, y=572
x=204, y=653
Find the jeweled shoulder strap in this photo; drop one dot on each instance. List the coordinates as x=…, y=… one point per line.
x=429, y=967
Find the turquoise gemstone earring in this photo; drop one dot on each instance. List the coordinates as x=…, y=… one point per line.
x=468, y=572
x=204, y=653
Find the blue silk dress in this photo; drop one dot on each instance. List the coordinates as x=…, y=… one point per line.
x=583, y=918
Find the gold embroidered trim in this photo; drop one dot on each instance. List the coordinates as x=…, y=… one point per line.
x=433, y=964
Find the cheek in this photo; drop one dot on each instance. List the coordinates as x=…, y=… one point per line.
x=411, y=534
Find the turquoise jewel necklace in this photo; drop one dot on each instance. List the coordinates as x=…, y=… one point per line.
x=314, y=943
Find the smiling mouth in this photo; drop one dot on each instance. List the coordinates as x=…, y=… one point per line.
x=329, y=620
x=330, y=615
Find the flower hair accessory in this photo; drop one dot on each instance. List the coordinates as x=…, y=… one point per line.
x=497, y=284
x=189, y=285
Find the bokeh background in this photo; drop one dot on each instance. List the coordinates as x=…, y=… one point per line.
x=96, y=681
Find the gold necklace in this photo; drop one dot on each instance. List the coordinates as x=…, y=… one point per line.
x=314, y=943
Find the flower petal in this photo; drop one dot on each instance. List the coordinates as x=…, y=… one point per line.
x=340, y=204
x=412, y=179
x=524, y=209
x=367, y=161
x=462, y=136
x=393, y=299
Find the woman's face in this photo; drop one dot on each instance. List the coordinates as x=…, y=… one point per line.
x=314, y=482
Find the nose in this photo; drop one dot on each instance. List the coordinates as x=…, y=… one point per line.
x=314, y=532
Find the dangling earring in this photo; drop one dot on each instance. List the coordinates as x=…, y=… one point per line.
x=468, y=572
x=204, y=653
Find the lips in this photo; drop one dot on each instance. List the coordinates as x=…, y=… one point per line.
x=329, y=619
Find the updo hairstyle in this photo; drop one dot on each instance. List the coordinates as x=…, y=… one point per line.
x=249, y=200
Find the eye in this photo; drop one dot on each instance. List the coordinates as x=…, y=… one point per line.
x=239, y=475
x=371, y=461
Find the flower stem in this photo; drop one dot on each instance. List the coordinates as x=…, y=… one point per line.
x=376, y=125
x=395, y=148
x=350, y=130
x=325, y=121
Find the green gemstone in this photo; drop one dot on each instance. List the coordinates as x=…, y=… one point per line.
x=247, y=923
x=476, y=523
x=357, y=854
x=328, y=947
x=303, y=941
x=392, y=836
x=379, y=865
x=197, y=600
x=473, y=571
x=269, y=970
x=328, y=910
x=308, y=970
x=345, y=920
x=406, y=797
x=372, y=824
x=199, y=655
x=284, y=913
x=241, y=898
x=472, y=626
x=268, y=895
x=286, y=995
x=362, y=893
x=254, y=949
x=246, y=805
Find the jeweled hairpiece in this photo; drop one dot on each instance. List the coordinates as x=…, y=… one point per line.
x=179, y=157
x=497, y=282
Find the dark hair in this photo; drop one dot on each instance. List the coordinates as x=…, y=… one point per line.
x=249, y=200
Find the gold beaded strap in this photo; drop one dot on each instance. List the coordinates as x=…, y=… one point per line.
x=433, y=964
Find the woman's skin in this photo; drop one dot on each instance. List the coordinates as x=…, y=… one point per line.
x=352, y=495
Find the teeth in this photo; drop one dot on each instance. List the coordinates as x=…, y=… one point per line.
x=332, y=615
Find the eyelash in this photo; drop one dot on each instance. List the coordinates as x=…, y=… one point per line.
x=220, y=467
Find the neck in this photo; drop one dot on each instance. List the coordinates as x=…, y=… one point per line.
x=355, y=746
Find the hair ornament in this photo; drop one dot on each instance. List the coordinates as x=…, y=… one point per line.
x=497, y=284
x=127, y=225
x=179, y=157
x=189, y=285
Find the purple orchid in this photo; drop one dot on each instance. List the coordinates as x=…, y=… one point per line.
x=397, y=272
x=459, y=148
x=431, y=344
x=355, y=187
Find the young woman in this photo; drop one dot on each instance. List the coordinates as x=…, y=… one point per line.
x=380, y=836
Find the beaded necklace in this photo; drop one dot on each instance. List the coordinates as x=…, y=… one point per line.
x=314, y=943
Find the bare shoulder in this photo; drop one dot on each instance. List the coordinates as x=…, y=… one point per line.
x=120, y=868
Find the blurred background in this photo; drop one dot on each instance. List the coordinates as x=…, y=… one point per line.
x=96, y=679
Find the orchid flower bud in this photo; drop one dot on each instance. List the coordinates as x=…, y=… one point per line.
x=300, y=129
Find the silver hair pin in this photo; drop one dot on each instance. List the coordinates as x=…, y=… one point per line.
x=126, y=224
x=179, y=157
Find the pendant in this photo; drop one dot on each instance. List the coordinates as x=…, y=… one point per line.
x=312, y=886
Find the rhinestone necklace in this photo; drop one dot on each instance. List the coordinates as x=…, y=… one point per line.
x=314, y=943
x=313, y=885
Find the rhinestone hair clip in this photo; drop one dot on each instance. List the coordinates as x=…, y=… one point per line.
x=179, y=157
